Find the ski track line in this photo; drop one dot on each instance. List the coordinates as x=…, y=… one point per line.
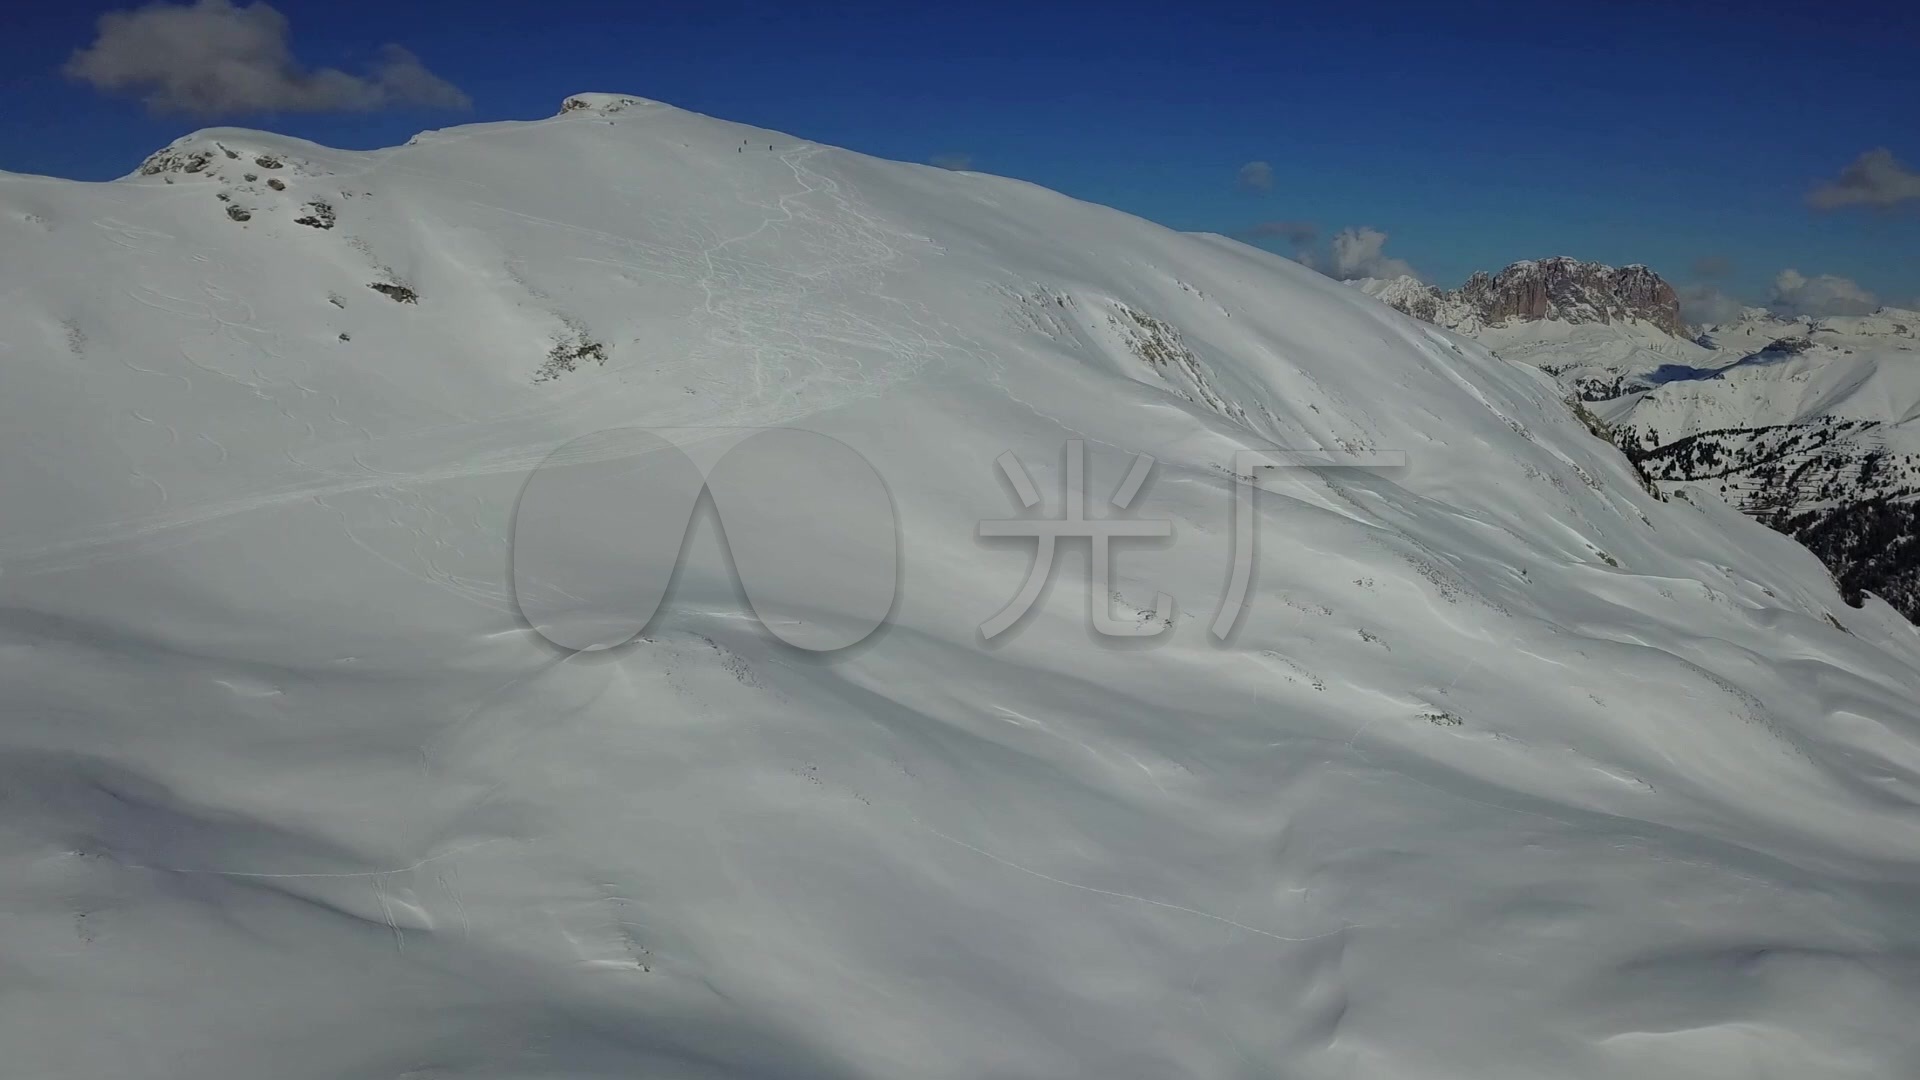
x=250, y=874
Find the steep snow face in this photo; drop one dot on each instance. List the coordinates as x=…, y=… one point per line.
x=1511, y=769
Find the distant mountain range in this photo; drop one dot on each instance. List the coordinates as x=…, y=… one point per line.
x=1811, y=425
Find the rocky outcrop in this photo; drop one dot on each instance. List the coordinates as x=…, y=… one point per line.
x=1569, y=290
x=600, y=104
x=1562, y=289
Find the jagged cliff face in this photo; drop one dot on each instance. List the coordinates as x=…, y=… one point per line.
x=1576, y=292
x=1562, y=289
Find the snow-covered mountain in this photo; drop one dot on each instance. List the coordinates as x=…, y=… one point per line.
x=1511, y=768
x=1812, y=425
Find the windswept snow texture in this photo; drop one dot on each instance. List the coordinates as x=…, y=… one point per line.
x=1511, y=770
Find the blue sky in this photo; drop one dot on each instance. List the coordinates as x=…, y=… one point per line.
x=1471, y=133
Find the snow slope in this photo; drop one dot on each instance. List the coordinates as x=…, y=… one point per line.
x=1777, y=415
x=1860, y=367
x=1510, y=770
x=1811, y=425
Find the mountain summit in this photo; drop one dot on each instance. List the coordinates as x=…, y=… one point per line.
x=1559, y=289
x=1509, y=767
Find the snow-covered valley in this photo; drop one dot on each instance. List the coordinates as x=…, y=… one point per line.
x=1811, y=425
x=1511, y=767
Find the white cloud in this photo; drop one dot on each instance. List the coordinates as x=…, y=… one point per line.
x=955, y=162
x=1795, y=294
x=1704, y=305
x=1360, y=253
x=211, y=57
x=1874, y=179
x=1256, y=176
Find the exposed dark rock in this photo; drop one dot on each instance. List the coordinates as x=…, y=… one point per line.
x=397, y=293
x=1560, y=288
x=567, y=356
x=1574, y=291
x=173, y=160
x=318, y=215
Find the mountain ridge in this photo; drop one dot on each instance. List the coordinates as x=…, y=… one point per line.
x=294, y=788
x=1560, y=288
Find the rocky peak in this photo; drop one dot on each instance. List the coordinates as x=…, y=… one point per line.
x=600, y=104
x=1562, y=289
x=1568, y=290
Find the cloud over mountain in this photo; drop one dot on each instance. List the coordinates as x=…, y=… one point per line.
x=1875, y=178
x=1796, y=294
x=210, y=58
x=1704, y=305
x=1361, y=253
